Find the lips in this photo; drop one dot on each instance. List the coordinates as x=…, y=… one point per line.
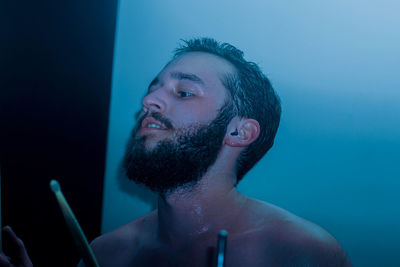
x=152, y=123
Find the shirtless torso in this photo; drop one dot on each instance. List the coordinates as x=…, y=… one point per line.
x=262, y=235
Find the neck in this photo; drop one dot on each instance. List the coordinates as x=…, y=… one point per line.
x=200, y=211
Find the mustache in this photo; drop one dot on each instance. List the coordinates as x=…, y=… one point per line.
x=140, y=117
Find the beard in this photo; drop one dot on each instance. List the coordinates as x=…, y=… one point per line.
x=178, y=163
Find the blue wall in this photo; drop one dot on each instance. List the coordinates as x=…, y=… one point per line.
x=336, y=67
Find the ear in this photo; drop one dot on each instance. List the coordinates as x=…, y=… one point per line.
x=241, y=132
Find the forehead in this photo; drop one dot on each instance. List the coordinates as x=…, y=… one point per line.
x=208, y=67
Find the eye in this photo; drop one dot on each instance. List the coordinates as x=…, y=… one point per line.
x=184, y=94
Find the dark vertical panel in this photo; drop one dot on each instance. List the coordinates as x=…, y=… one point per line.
x=56, y=64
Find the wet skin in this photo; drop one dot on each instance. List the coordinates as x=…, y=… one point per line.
x=183, y=230
x=262, y=235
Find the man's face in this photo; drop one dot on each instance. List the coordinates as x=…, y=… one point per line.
x=180, y=131
x=187, y=92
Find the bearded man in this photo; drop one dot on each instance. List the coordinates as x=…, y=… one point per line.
x=207, y=118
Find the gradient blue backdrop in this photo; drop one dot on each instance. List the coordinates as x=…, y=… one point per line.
x=335, y=65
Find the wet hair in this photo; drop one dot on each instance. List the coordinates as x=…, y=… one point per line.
x=251, y=96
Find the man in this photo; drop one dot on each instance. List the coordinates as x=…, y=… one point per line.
x=207, y=118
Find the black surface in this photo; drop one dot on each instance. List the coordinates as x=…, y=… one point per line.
x=56, y=64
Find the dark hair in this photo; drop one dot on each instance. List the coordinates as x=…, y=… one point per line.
x=252, y=96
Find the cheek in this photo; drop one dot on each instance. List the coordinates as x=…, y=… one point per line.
x=195, y=113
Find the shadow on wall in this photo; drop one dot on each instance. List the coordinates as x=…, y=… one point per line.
x=133, y=189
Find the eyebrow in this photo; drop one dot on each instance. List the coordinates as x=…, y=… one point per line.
x=179, y=76
x=187, y=76
x=153, y=82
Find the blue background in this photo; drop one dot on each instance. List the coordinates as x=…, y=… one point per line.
x=335, y=65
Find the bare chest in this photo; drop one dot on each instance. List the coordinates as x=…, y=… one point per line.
x=240, y=252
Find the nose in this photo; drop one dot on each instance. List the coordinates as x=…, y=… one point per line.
x=154, y=102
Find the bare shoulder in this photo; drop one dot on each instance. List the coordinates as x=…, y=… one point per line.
x=117, y=248
x=295, y=241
